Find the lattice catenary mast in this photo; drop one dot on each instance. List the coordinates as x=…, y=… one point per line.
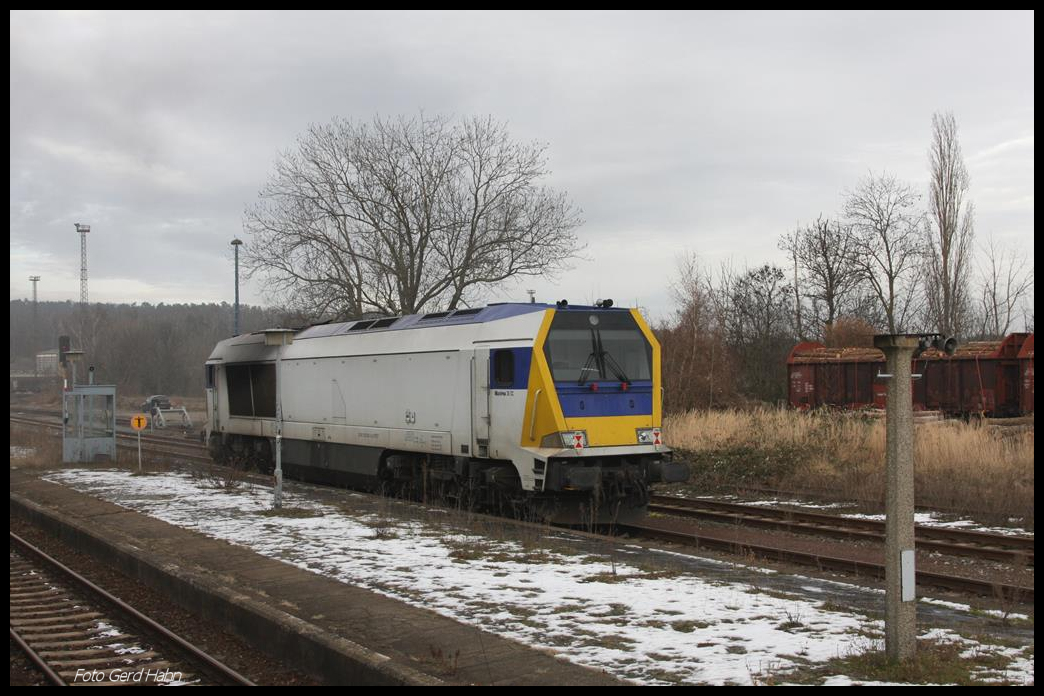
x=83, y=230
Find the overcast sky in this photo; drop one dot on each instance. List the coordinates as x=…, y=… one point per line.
x=705, y=132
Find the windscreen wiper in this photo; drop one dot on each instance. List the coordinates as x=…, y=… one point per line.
x=592, y=357
x=602, y=358
x=603, y=354
x=615, y=366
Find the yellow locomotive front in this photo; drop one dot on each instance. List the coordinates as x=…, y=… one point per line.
x=593, y=416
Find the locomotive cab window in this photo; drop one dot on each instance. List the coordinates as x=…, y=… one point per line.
x=503, y=368
x=594, y=346
x=251, y=390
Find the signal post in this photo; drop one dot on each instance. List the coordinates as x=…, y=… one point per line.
x=900, y=595
x=139, y=422
x=900, y=575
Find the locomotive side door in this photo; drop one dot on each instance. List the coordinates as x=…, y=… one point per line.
x=480, y=402
x=211, y=426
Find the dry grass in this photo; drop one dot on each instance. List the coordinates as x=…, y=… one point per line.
x=34, y=448
x=936, y=662
x=958, y=465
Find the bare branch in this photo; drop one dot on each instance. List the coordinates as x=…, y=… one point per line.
x=886, y=246
x=399, y=216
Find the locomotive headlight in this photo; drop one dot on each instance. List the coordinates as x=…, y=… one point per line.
x=650, y=436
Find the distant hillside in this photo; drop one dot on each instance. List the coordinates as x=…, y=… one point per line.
x=142, y=348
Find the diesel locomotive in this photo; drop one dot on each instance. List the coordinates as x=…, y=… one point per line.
x=552, y=411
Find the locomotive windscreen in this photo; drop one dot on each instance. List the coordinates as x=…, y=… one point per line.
x=591, y=346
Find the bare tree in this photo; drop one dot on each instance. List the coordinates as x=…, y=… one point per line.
x=790, y=242
x=949, y=237
x=848, y=332
x=825, y=253
x=886, y=244
x=693, y=343
x=399, y=216
x=1007, y=280
x=755, y=308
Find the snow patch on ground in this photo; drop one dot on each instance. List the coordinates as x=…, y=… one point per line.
x=936, y=519
x=996, y=613
x=630, y=620
x=929, y=519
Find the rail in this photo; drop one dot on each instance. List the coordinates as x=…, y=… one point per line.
x=48, y=621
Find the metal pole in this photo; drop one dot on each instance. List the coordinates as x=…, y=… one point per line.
x=90, y=401
x=36, y=368
x=139, y=451
x=236, y=243
x=236, y=327
x=900, y=594
x=279, y=431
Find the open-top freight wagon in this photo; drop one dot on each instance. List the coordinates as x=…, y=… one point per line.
x=991, y=378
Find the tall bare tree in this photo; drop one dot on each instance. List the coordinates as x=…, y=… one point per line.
x=825, y=253
x=789, y=242
x=755, y=309
x=949, y=236
x=693, y=343
x=886, y=244
x=400, y=216
x=1007, y=280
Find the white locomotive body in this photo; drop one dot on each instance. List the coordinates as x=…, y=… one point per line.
x=521, y=405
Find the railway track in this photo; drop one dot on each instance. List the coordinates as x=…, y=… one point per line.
x=831, y=496
x=996, y=547
x=163, y=445
x=75, y=632
x=53, y=419
x=709, y=539
x=705, y=539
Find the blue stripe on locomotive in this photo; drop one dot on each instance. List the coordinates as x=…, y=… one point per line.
x=579, y=401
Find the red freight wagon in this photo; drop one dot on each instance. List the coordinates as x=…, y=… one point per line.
x=986, y=377
x=980, y=377
x=839, y=377
x=1026, y=370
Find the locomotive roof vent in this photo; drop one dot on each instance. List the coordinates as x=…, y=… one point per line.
x=278, y=337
